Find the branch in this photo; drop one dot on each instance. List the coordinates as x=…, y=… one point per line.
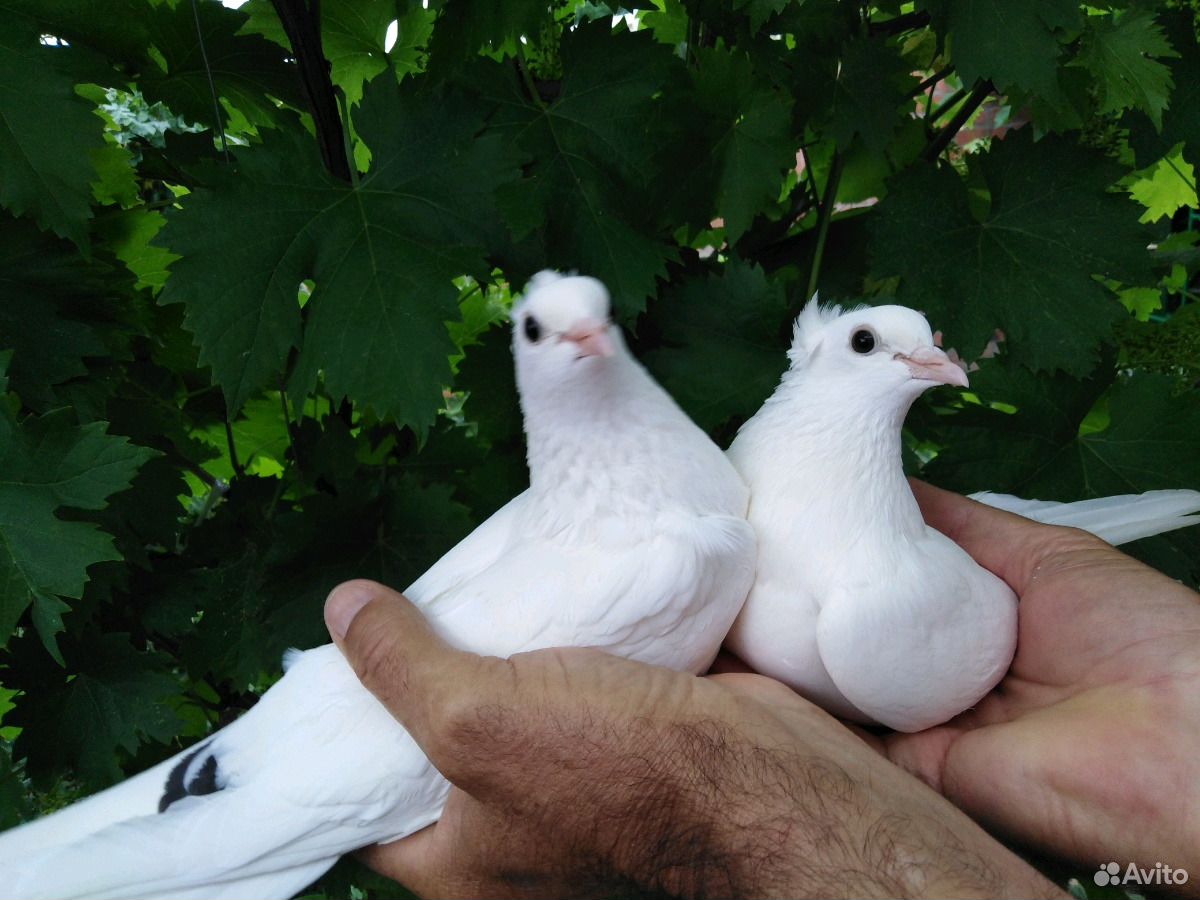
x=233, y=457
x=943, y=138
x=212, y=87
x=930, y=81
x=824, y=215
x=936, y=112
x=289, y=425
x=906, y=22
x=526, y=76
x=303, y=27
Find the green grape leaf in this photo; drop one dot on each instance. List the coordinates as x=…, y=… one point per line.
x=594, y=152
x=247, y=70
x=1165, y=187
x=352, y=36
x=117, y=29
x=868, y=94
x=749, y=136
x=1151, y=440
x=115, y=181
x=49, y=463
x=464, y=28
x=382, y=255
x=119, y=700
x=1122, y=50
x=47, y=317
x=14, y=797
x=739, y=318
x=1026, y=264
x=414, y=29
x=422, y=522
x=48, y=347
x=156, y=46
x=486, y=374
x=1181, y=121
x=260, y=436
x=129, y=234
x=47, y=135
x=760, y=10
x=1014, y=43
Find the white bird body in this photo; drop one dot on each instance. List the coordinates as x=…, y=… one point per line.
x=857, y=603
x=631, y=538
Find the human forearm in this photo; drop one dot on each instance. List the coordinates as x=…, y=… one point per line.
x=824, y=816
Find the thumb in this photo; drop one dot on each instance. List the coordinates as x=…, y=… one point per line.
x=422, y=681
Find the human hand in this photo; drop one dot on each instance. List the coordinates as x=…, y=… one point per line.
x=582, y=774
x=1090, y=746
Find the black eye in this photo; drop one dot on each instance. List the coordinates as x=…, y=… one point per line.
x=533, y=330
x=862, y=341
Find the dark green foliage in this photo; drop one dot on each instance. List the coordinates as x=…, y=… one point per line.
x=1014, y=248
x=230, y=379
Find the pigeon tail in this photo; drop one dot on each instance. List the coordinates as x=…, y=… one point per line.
x=136, y=796
x=1118, y=520
x=230, y=844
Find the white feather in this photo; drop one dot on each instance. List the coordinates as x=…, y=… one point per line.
x=857, y=604
x=631, y=538
x=1118, y=519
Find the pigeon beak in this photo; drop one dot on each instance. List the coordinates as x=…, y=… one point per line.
x=591, y=337
x=932, y=364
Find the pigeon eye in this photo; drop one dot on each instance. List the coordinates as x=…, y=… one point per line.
x=533, y=331
x=862, y=341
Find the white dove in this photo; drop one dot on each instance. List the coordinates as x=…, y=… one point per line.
x=630, y=538
x=857, y=604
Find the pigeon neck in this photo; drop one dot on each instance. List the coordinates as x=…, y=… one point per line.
x=617, y=447
x=840, y=450
x=577, y=435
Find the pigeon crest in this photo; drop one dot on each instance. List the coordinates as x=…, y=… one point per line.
x=809, y=325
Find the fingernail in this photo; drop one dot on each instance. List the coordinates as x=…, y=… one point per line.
x=343, y=604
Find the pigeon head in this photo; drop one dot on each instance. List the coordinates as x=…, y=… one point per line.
x=561, y=328
x=884, y=350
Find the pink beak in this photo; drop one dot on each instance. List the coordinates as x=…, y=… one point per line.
x=932, y=364
x=591, y=337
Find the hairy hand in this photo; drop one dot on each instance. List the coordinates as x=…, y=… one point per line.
x=577, y=773
x=1088, y=747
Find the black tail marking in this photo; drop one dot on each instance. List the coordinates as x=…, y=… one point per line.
x=203, y=781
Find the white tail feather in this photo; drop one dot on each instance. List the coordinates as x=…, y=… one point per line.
x=137, y=796
x=228, y=844
x=1118, y=520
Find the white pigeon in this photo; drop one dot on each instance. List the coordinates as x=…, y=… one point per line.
x=630, y=538
x=857, y=603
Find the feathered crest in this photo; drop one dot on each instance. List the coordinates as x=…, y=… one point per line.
x=543, y=278
x=806, y=332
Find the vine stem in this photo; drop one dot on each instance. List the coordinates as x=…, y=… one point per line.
x=931, y=81
x=899, y=24
x=825, y=214
x=288, y=425
x=212, y=86
x=527, y=77
x=344, y=109
x=943, y=138
x=233, y=457
x=936, y=112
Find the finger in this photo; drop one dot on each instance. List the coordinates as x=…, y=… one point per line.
x=413, y=861
x=426, y=684
x=1008, y=545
